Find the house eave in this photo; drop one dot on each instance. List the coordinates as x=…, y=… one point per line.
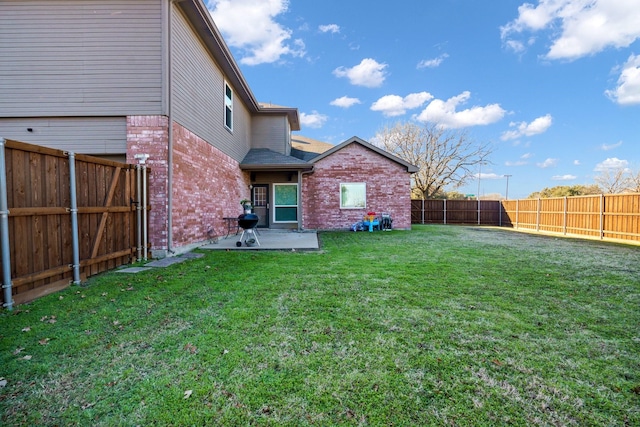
x=275, y=167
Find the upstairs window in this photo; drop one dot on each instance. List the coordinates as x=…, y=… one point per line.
x=228, y=107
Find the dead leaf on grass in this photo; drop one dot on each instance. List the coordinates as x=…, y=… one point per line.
x=27, y=357
x=187, y=394
x=3, y=382
x=44, y=341
x=26, y=329
x=18, y=350
x=191, y=348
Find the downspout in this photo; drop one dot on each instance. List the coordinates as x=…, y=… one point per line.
x=74, y=218
x=145, y=237
x=170, y=134
x=142, y=159
x=139, y=210
x=4, y=231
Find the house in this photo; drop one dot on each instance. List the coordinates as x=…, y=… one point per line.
x=116, y=79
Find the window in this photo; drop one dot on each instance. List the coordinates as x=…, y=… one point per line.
x=353, y=195
x=285, y=201
x=228, y=107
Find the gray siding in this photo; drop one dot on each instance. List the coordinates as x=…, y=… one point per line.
x=86, y=135
x=80, y=57
x=271, y=132
x=197, y=93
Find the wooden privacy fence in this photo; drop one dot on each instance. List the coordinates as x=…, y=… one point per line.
x=439, y=211
x=607, y=217
x=65, y=217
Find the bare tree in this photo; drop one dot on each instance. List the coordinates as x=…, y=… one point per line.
x=445, y=158
x=614, y=180
x=634, y=181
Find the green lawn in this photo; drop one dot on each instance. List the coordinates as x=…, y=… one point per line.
x=441, y=325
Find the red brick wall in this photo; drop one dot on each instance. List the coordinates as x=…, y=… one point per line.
x=207, y=184
x=388, y=189
x=150, y=135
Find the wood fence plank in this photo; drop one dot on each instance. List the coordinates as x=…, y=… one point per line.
x=103, y=221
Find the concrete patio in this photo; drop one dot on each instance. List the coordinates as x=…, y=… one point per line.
x=270, y=239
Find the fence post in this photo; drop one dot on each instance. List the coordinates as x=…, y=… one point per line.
x=601, y=216
x=422, y=211
x=538, y=215
x=445, y=210
x=4, y=231
x=517, y=211
x=74, y=218
x=499, y=213
x=478, y=208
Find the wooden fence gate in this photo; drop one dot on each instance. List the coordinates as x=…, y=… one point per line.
x=64, y=217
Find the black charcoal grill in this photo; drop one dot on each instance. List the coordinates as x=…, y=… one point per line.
x=248, y=223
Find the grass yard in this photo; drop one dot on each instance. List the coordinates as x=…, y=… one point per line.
x=442, y=325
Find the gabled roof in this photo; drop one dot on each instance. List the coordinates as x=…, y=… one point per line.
x=200, y=18
x=355, y=140
x=265, y=159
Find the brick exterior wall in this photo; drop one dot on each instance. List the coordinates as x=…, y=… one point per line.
x=388, y=189
x=150, y=135
x=207, y=184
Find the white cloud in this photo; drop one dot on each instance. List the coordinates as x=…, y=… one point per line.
x=314, y=120
x=369, y=73
x=394, y=105
x=576, y=162
x=516, y=163
x=432, y=63
x=330, y=28
x=485, y=176
x=445, y=115
x=251, y=27
x=538, y=126
x=526, y=156
x=611, y=164
x=607, y=147
x=563, y=177
x=628, y=90
x=585, y=26
x=345, y=102
x=547, y=163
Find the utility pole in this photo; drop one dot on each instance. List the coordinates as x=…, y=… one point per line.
x=506, y=195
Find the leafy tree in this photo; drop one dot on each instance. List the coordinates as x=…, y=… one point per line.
x=445, y=158
x=565, y=191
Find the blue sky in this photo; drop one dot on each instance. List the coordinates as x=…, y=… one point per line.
x=553, y=85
